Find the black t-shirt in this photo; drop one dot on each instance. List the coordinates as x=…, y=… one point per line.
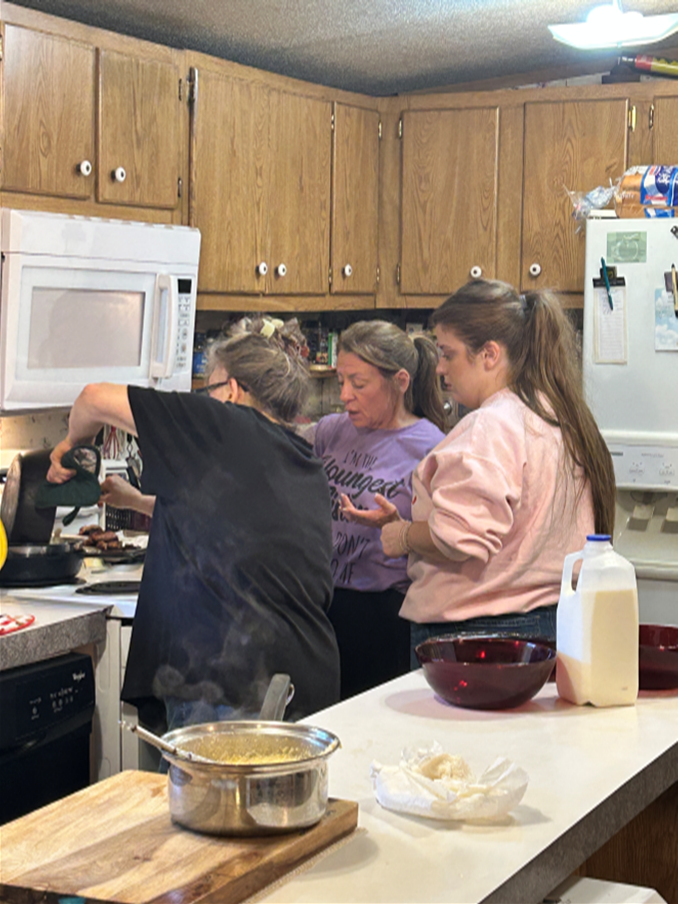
x=237, y=579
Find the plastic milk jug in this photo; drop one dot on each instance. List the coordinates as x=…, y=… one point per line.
x=597, y=628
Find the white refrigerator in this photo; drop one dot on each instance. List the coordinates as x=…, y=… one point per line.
x=630, y=373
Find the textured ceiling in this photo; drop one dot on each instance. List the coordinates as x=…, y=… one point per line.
x=375, y=47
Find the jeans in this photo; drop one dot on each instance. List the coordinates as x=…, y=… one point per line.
x=538, y=624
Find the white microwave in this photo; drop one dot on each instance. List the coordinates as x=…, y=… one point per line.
x=87, y=300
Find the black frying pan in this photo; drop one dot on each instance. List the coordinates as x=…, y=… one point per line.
x=35, y=566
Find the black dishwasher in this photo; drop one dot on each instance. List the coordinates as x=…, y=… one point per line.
x=45, y=723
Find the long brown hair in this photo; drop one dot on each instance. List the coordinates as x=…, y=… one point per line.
x=543, y=359
x=388, y=348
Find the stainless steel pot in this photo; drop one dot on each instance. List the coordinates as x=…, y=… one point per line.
x=23, y=522
x=274, y=780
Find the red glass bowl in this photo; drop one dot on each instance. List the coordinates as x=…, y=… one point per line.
x=485, y=672
x=658, y=657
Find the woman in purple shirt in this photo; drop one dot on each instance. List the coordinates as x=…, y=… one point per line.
x=393, y=417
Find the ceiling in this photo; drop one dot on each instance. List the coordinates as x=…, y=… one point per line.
x=377, y=47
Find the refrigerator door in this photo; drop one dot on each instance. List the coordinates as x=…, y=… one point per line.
x=630, y=348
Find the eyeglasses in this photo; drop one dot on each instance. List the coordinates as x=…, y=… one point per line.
x=206, y=390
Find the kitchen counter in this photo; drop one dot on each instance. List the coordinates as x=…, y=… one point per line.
x=591, y=772
x=58, y=628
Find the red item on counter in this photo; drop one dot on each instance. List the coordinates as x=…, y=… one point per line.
x=11, y=623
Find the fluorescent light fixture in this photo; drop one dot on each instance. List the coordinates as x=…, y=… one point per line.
x=608, y=26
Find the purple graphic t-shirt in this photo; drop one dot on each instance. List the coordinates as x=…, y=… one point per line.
x=360, y=463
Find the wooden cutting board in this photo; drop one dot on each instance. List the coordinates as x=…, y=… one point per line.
x=115, y=842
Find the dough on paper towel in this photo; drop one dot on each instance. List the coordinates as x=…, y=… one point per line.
x=429, y=782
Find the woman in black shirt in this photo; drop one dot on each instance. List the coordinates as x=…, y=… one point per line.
x=237, y=579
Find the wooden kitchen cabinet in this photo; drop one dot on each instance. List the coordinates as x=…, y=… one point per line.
x=665, y=130
x=449, y=198
x=48, y=117
x=260, y=186
x=355, y=200
x=575, y=145
x=84, y=122
x=139, y=161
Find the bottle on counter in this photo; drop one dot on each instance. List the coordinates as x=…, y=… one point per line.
x=597, y=627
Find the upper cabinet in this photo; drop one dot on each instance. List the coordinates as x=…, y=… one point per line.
x=84, y=122
x=569, y=145
x=355, y=200
x=260, y=186
x=48, y=123
x=665, y=130
x=139, y=161
x=449, y=198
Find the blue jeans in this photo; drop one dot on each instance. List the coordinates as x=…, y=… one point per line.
x=537, y=624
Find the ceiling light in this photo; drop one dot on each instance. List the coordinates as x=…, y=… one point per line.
x=608, y=26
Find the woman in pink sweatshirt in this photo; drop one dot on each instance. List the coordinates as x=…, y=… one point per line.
x=516, y=485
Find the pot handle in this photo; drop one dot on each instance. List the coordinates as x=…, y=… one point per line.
x=280, y=692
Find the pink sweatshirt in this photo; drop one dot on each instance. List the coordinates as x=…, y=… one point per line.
x=498, y=489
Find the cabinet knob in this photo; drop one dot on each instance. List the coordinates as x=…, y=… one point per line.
x=262, y=269
x=280, y=270
x=347, y=271
x=476, y=272
x=119, y=174
x=535, y=269
x=84, y=168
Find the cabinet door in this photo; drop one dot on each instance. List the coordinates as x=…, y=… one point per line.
x=298, y=194
x=139, y=153
x=48, y=121
x=355, y=200
x=449, y=205
x=229, y=143
x=665, y=130
x=575, y=145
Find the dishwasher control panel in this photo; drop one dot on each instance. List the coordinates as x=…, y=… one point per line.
x=38, y=698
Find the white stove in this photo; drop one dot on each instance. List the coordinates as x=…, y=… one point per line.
x=122, y=605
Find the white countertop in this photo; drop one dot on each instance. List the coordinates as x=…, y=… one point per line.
x=591, y=770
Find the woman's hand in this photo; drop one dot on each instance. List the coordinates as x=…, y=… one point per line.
x=57, y=473
x=118, y=493
x=378, y=517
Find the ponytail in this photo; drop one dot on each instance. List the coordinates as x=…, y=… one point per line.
x=424, y=389
x=544, y=361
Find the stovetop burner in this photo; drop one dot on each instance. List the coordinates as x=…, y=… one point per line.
x=110, y=588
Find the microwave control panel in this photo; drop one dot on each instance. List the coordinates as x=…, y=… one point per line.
x=185, y=331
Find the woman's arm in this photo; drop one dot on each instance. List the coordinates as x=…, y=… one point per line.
x=400, y=537
x=97, y=405
x=118, y=493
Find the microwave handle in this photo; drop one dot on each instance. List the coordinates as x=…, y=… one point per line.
x=165, y=327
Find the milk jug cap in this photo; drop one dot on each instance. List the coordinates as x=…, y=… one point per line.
x=601, y=538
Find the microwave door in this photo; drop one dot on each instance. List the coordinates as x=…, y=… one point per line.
x=79, y=325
